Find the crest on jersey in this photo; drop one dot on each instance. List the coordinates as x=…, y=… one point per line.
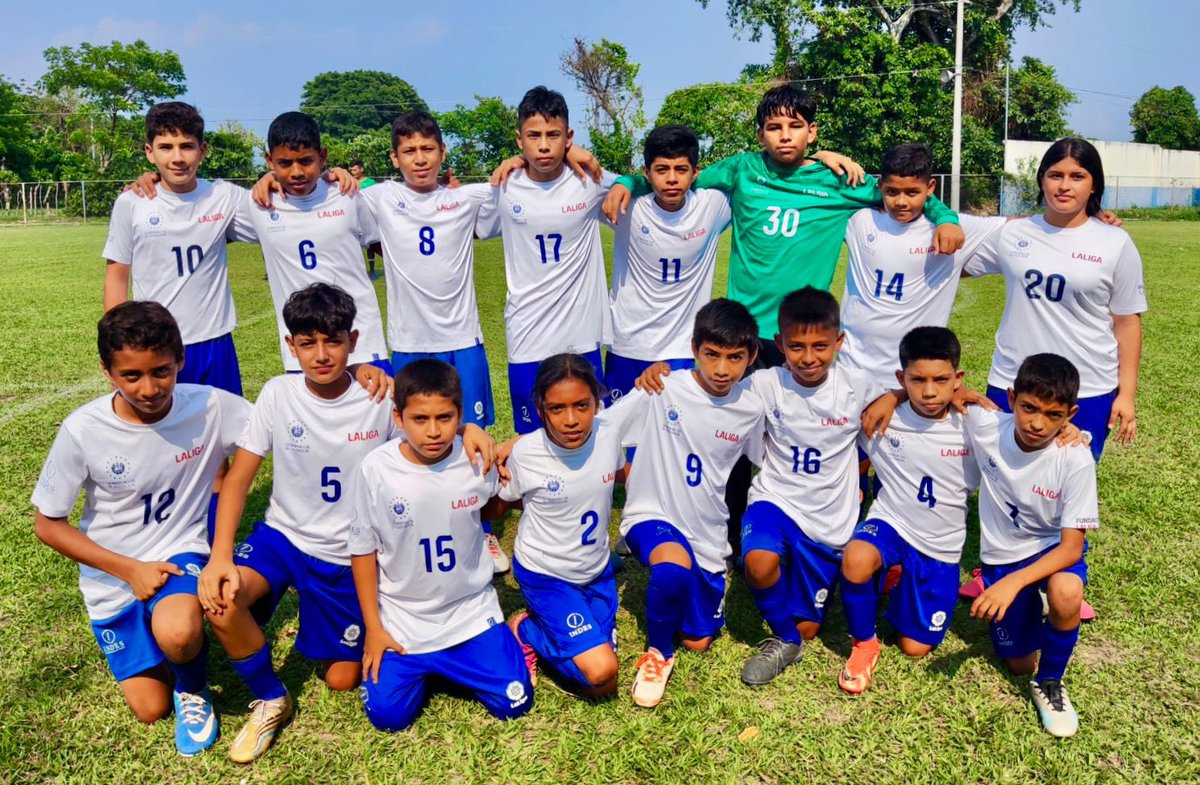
x=401, y=205
x=518, y=211
x=894, y=444
x=297, y=433
x=154, y=220
x=991, y=468
x=556, y=488
x=778, y=415
x=870, y=237
x=673, y=420
x=1022, y=249
x=401, y=511
x=273, y=215
x=120, y=471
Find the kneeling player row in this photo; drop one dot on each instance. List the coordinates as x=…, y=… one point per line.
x=403, y=517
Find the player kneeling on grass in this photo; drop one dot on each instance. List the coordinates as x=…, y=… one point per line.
x=675, y=519
x=563, y=476
x=319, y=424
x=1037, y=499
x=918, y=520
x=423, y=578
x=145, y=457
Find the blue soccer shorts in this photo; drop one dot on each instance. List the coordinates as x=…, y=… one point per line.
x=1021, y=631
x=620, y=373
x=921, y=605
x=473, y=373
x=127, y=638
x=808, y=569
x=520, y=389
x=1092, y=416
x=213, y=362
x=573, y=618
x=490, y=666
x=704, y=614
x=331, y=623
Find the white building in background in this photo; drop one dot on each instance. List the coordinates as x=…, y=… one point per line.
x=1135, y=175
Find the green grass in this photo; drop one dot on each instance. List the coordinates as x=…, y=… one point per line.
x=954, y=717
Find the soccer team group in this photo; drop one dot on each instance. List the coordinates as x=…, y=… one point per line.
x=382, y=487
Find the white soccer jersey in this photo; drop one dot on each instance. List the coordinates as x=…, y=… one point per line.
x=663, y=273
x=895, y=282
x=175, y=244
x=147, y=487
x=810, y=464
x=318, y=445
x=429, y=258
x=422, y=522
x=317, y=239
x=563, y=531
x=688, y=442
x=1026, y=499
x=557, y=295
x=926, y=472
x=1062, y=288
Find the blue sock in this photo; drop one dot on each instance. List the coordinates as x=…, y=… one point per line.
x=773, y=604
x=1057, y=647
x=259, y=674
x=212, y=517
x=192, y=676
x=665, y=595
x=860, y=602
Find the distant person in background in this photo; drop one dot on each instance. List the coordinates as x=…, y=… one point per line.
x=359, y=173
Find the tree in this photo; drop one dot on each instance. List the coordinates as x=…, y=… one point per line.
x=15, y=133
x=1167, y=118
x=722, y=115
x=373, y=147
x=349, y=103
x=1037, y=102
x=231, y=153
x=478, y=138
x=604, y=73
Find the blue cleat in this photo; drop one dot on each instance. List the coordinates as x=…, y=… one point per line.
x=196, y=726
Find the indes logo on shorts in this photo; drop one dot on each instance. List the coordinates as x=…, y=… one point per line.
x=110, y=643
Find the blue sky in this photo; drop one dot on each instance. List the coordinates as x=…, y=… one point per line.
x=249, y=61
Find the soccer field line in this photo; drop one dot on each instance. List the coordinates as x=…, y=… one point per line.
x=97, y=384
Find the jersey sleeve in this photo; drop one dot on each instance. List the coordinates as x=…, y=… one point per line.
x=985, y=258
x=487, y=220
x=1081, y=508
x=627, y=416
x=515, y=489
x=637, y=184
x=722, y=175
x=61, y=478
x=235, y=413
x=241, y=229
x=257, y=434
x=1129, y=288
x=363, y=538
x=368, y=227
x=937, y=211
x=119, y=245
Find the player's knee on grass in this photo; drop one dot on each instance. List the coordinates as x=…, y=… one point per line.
x=697, y=644
x=860, y=561
x=148, y=694
x=808, y=629
x=1023, y=666
x=342, y=676
x=1064, y=594
x=762, y=569
x=599, y=666
x=178, y=627
x=914, y=648
x=392, y=717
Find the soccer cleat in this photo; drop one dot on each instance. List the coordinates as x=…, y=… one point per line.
x=491, y=546
x=622, y=548
x=259, y=732
x=769, y=661
x=651, y=679
x=1054, y=708
x=856, y=675
x=196, y=725
x=973, y=586
x=531, y=658
x=892, y=578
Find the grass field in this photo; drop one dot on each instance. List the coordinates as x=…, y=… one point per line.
x=952, y=718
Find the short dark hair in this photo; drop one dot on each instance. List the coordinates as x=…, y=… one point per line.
x=138, y=324
x=319, y=308
x=550, y=104
x=809, y=307
x=788, y=100
x=561, y=367
x=727, y=324
x=427, y=376
x=1050, y=377
x=912, y=159
x=415, y=122
x=1087, y=156
x=930, y=343
x=294, y=130
x=174, y=117
x=671, y=141
x=354, y=162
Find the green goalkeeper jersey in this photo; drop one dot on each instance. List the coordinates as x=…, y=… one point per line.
x=788, y=226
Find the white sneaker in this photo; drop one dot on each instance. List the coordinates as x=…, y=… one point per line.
x=651, y=679
x=491, y=546
x=1054, y=707
x=622, y=548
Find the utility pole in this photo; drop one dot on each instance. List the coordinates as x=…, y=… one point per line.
x=956, y=155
